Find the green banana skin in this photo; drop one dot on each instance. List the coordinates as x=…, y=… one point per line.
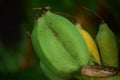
x=109, y=78
x=51, y=51
x=108, y=46
x=69, y=36
x=48, y=73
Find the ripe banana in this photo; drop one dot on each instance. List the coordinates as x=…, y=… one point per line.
x=107, y=45
x=59, y=45
x=90, y=43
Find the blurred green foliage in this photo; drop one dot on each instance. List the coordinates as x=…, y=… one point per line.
x=17, y=18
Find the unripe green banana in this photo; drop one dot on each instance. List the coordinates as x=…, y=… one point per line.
x=59, y=45
x=48, y=72
x=107, y=44
x=51, y=52
x=69, y=36
x=109, y=78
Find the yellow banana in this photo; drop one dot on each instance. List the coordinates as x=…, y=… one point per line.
x=59, y=45
x=107, y=44
x=90, y=43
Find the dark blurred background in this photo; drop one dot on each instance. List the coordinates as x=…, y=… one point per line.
x=18, y=60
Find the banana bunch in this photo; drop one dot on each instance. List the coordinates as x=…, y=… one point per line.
x=60, y=46
x=63, y=48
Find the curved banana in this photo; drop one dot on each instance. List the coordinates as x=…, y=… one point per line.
x=59, y=45
x=107, y=45
x=90, y=43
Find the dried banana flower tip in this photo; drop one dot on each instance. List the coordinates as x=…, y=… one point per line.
x=99, y=71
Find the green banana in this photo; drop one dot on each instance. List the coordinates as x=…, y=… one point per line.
x=59, y=45
x=51, y=51
x=48, y=72
x=107, y=44
x=69, y=36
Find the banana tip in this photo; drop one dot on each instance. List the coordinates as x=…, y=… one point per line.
x=45, y=9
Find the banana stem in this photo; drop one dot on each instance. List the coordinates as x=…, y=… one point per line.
x=96, y=14
x=43, y=9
